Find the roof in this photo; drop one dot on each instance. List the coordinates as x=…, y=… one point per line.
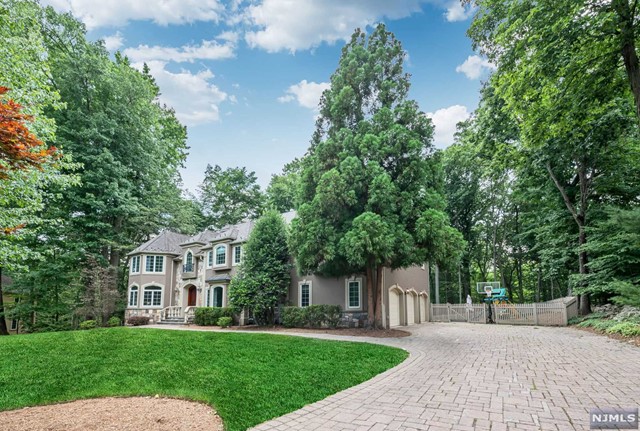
x=165, y=242
x=218, y=278
x=202, y=238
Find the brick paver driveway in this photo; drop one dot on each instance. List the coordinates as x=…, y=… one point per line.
x=484, y=377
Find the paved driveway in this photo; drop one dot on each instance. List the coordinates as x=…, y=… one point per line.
x=483, y=377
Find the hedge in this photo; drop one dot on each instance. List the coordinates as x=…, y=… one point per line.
x=209, y=316
x=313, y=316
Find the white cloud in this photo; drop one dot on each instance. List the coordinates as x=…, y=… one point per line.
x=474, y=66
x=457, y=12
x=195, y=99
x=119, y=12
x=208, y=50
x=445, y=121
x=113, y=42
x=307, y=94
x=295, y=25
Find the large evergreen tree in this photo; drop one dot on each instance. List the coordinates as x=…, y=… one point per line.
x=371, y=185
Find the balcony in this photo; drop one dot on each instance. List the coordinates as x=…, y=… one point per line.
x=188, y=271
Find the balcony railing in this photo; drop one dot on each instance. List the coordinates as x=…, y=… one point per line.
x=188, y=267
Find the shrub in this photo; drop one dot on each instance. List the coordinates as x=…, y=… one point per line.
x=293, y=317
x=627, y=329
x=88, y=324
x=333, y=314
x=114, y=321
x=208, y=316
x=314, y=316
x=225, y=322
x=138, y=320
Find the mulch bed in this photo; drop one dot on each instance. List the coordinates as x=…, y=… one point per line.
x=628, y=340
x=354, y=332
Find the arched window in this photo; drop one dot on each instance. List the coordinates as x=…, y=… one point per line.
x=217, y=296
x=152, y=296
x=133, y=296
x=188, y=262
x=221, y=255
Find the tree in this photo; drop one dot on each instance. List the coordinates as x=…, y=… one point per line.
x=265, y=272
x=370, y=194
x=228, y=196
x=282, y=192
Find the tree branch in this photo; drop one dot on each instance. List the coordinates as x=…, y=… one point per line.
x=565, y=197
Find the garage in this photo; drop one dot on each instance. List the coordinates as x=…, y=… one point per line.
x=395, y=306
x=423, y=307
x=411, y=307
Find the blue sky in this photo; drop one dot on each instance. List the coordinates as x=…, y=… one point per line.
x=246, y=76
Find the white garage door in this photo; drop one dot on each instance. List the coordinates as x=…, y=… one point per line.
x=411, y=308
x=394, y=308
x=423, y=308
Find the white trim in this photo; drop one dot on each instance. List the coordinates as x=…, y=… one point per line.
x=224, y=296
x=346, y=293
x=144, y=288
x=138, y=290
x=209, y=262
x=215, y=256
x=300, y=284
x=164, y=264
x=233, y=255
x=139, y=257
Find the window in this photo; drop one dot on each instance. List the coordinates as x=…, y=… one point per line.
x=135, y=264
x=188, y=263
x=217, y=296
x=207, y=302
x=133, y=296
x=354, y=293
x=154, y=264
x=237, y=254
x=210, y=259
x=304, y=293
x=221, y=255
x=14, y=325
x=152, y=296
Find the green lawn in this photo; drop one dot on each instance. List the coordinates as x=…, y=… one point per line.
x=247, y=378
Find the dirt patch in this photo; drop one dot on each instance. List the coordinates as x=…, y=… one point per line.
x=353, y=332
x=629, y=340
x=115, y=414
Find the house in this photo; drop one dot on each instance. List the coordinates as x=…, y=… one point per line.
x=172, y=274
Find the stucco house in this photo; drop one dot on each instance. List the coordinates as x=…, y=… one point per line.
x=172, y=274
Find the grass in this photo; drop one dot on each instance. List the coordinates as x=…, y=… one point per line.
x=247, y=378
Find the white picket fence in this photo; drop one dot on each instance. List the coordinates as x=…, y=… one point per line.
x=552, y=313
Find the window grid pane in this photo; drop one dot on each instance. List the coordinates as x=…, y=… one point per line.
x=237, y=254
x=159, y=262
x=354, y=294
x=221, y=256
x=149, y=264
x=133, y=298
x=146, y=298
x=157, y=298
x=210, y=258
x=304, y=295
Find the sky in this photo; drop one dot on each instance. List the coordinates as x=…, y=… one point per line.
x=245, y=76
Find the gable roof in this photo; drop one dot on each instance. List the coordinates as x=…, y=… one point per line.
x=165, y=242
x=200, y=238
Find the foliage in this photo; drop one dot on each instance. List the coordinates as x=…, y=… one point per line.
x=265, y=273
x=313, y=316
x=100, y=295
x=88, y=324
x=370, y=192
x=209, y=316
x=269, y=371
x=293, y=317
x=19, y=148
x=225, y=322
x=626, y=329
x=282, y=191
x=138, y=320
x=229, y=196
x=114, y=321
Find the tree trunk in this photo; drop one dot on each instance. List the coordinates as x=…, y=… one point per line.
x=626, y=17
x=3, y=321
x=378, y=297
x=371, y=318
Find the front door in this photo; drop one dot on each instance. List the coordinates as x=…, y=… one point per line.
x=192, y=297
